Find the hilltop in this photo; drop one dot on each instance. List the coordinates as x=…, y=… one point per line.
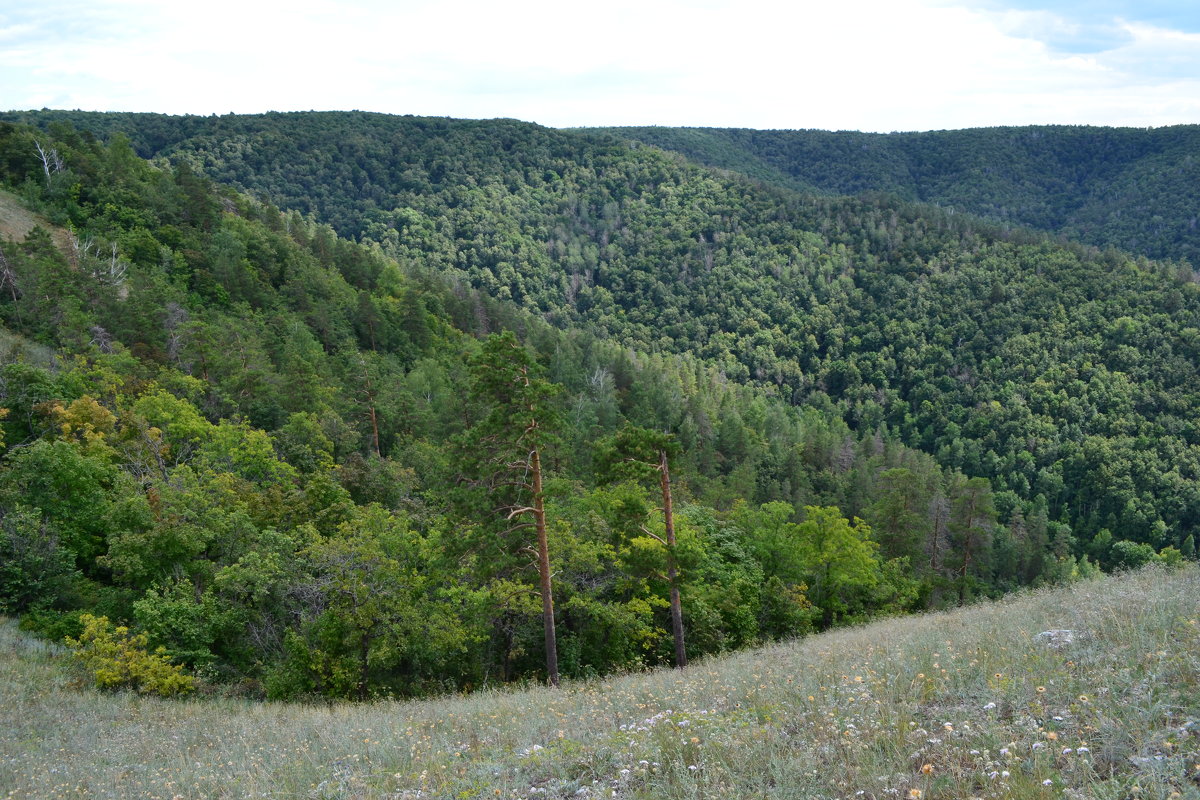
x=969, y=703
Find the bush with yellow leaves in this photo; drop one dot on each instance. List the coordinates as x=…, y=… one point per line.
x=121, y=660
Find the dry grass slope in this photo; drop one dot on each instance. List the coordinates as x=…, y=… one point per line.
x=16, y=221
x=971, y=703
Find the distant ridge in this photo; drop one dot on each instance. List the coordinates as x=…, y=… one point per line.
x=1134, y=189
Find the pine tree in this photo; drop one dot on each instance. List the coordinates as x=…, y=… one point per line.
x=502, y=454
x=639, y=453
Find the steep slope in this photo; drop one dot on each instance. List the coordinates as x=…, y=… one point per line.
x=992, y=707
x=1054, y=370
x=260, y=444
x=1132, y=189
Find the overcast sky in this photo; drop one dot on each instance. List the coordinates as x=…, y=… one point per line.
x=876, y=65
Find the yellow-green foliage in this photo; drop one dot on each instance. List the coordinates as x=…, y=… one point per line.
x=121, y=660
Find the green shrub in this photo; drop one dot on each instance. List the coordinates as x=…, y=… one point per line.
x=52, y=625
x=34, y=569
x=120, y=660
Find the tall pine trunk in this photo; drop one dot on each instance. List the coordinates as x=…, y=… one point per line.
x=539, y=518
x=672, y=571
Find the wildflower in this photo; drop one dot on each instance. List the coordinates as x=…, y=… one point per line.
x=927, y=769
x=1052, y=736
x=1083, y=750
x=915, y=794
x=1083, y=698
x=989, y=706
x=1041, y=690
x=1047, y=782
x=695, y=740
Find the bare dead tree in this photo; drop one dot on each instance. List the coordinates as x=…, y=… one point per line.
x=8, y=278
x=110, y=270
x=174, y=326
x=101, y=338
x=51, y=160
x=79, y=250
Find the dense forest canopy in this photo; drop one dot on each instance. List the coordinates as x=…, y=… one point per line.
x=258, y=441
x=1132, y=189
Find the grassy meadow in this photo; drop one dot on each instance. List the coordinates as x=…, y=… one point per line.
x=969, y=703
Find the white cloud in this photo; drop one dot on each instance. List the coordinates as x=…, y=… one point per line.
x=1153, y=53
x=871, y=65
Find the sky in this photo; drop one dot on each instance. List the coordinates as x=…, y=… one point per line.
x=870, y=65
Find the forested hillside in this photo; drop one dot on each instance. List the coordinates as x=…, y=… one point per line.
x=286, y=457
x=1054, y=371
x=1132, y=189
x=282, y=458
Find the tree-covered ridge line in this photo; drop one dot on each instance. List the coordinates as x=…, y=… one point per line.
x=1133, y=189
x=254, y=443
x=1053, y=369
